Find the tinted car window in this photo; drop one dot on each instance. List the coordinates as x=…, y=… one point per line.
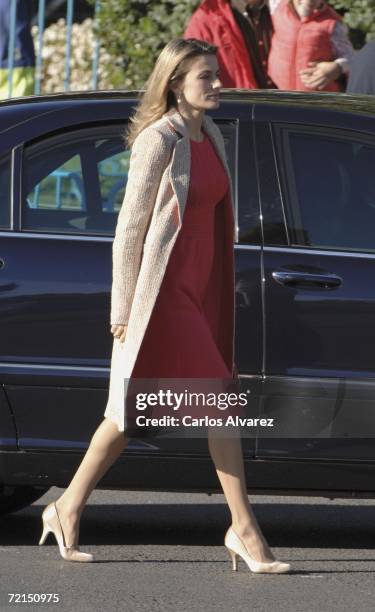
x=5, y=192
x=75, y=183
x=330, y=188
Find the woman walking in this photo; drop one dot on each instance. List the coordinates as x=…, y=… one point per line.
x=172, y=310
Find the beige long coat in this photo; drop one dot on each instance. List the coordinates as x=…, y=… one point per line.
x=148, y=224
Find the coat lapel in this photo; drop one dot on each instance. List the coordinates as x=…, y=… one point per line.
x=180, y=164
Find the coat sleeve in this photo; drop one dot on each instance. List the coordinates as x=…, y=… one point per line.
x=148, y=160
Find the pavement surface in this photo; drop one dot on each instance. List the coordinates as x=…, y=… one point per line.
x=164, y=552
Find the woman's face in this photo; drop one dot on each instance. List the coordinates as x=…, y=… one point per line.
x=201, y=85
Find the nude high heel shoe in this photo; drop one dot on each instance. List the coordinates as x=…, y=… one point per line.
x=236, y=547
x=51, y=523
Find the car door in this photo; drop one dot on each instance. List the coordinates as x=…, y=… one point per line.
x=318, y=289
x=56, y=279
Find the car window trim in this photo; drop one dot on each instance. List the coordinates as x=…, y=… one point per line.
x=306, y=250
x=57, y=236
x=239, y=246
x=234, y=127
x=16, y=187
x=6, y=159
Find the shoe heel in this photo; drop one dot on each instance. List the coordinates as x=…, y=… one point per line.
x=233, y=556
x=51, y=523
x=45, y=533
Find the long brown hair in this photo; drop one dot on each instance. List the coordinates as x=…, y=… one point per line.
x=171, y=65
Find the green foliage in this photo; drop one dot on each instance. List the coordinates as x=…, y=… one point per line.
x=359, y=16
x=133, y=32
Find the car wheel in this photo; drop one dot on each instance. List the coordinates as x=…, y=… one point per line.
x=13, y=498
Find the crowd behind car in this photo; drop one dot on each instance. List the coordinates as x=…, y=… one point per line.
x=297, y=45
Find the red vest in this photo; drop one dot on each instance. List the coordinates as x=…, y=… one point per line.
x=296, y=42
x=214, y=22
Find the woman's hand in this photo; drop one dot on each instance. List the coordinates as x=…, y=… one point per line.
x=119, y=331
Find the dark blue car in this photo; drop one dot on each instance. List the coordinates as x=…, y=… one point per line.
x=303, y=169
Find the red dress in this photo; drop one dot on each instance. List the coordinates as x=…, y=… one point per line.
x=181, y=340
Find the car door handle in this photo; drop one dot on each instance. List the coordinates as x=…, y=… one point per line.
x=292, y=279
x=2, y=263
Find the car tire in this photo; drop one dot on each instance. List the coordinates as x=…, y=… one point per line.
x=14, y=498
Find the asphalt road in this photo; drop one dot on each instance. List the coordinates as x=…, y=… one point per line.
x=164, y=552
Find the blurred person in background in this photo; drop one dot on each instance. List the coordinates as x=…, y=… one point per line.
x=23, y=74
x=242, y=31
x=362, y=72
x=310, y=46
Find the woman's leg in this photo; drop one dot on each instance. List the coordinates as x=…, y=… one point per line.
x=105, y=447
x=227, y=456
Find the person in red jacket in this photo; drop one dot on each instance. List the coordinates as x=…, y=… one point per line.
x=310, y=47
x=242, y=30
